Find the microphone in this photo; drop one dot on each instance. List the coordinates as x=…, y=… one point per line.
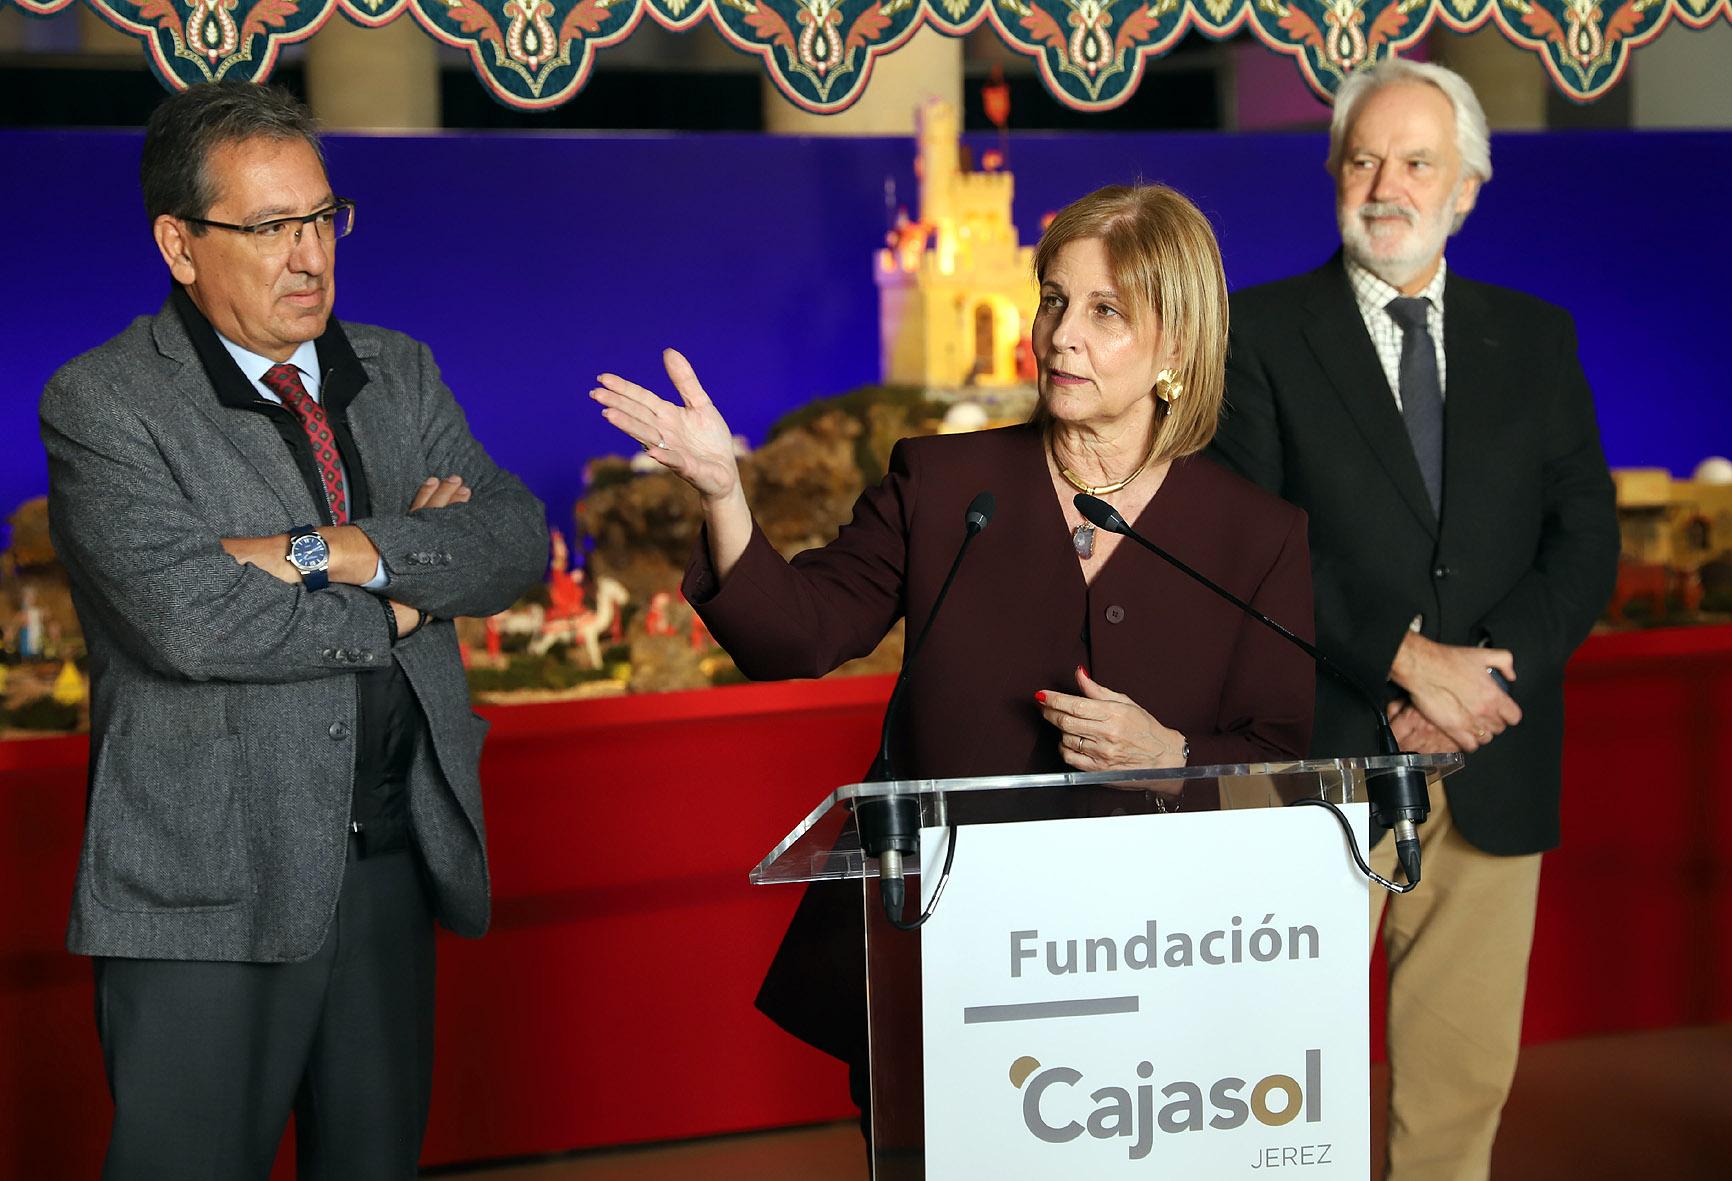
x=1398, y=795
x=890, y=826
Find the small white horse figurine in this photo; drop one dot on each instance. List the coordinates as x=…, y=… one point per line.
x=587, y=627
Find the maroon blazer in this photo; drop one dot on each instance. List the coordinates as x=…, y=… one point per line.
x=1018, y=619
x=1020, y=616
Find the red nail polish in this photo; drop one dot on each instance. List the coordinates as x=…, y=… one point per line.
x=1082, y=670
x=1041, y=696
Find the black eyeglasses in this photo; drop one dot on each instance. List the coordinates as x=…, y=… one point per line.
x=282, y=234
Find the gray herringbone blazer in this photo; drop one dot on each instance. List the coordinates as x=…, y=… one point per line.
x=223, y=702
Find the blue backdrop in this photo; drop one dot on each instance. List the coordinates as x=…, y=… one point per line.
x=531, y=262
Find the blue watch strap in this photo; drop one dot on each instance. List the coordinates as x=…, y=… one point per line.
x=314, y=578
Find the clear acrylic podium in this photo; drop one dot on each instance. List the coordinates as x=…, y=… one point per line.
x=825, y=845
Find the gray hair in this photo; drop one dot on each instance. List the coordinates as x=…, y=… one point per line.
x=187, y=127
x=1472, y=138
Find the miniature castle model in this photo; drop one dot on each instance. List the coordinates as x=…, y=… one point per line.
x=956, y=289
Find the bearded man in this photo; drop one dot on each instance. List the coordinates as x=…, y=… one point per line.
x=1440, y=433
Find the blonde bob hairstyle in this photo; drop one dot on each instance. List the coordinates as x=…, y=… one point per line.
x=1167, y=267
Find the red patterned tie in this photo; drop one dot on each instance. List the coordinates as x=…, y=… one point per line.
x=285, y=382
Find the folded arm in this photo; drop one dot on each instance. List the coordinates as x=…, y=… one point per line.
x=159, y=574
x=470, y=557
x=353, y=560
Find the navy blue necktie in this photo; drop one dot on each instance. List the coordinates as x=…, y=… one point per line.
x=1421, y=392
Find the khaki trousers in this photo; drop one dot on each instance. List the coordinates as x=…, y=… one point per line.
x=1458, y=964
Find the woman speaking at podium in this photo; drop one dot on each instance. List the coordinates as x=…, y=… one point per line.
x=1055, y=649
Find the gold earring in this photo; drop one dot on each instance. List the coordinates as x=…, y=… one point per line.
x=1168, y=387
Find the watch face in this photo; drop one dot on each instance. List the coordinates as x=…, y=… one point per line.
x=309, y=552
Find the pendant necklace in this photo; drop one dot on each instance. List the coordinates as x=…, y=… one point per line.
x=1082, y=538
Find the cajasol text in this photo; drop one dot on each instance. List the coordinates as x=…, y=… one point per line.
x=1058, y=1106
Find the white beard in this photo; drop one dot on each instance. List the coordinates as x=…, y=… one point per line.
x=1397, y=256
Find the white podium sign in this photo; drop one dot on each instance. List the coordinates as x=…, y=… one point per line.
x=1172, y=996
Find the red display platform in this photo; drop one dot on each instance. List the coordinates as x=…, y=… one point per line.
x=612, y=1001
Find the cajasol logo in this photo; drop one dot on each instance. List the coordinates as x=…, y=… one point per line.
x=1058, y=1106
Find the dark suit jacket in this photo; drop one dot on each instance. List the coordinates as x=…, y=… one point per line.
x=224, y=701
x=1018, y=619
x=1525, y=552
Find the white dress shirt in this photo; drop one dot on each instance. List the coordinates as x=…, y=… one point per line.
x=1373, y=295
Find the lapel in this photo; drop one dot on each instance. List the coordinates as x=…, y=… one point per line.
x=342, y=375
x=1336, y=335
x=341, y=381
x=1474, y=360
x=213, y=386
x=381, y=427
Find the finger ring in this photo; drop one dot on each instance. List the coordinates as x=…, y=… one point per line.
x=1479, y=733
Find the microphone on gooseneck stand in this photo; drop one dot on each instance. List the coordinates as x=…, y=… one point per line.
x=890, y=826
x=1398, y=795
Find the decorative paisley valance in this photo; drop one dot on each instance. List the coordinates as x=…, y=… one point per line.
x=535, y=54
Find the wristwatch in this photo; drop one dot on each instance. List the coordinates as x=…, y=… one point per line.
x=309, y=553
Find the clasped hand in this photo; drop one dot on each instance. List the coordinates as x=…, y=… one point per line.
x=1453, y=701
x=1103, y=730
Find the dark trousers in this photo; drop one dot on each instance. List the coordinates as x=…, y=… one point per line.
x=206, y=1060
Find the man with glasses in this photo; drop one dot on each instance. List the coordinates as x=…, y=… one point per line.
x=270, y=519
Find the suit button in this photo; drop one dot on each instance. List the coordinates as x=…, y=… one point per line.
x=341, y=654
x=338, y=731
x=1440, y=572
x=1115, y=614
x=330, y=654
x=366, y=658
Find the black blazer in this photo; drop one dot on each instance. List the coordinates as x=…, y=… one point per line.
x=1524, y=555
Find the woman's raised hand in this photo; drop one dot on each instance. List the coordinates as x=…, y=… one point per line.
x=692, y=440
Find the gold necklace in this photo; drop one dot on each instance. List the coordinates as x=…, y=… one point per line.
x=1101, y=489
x=1082, y=538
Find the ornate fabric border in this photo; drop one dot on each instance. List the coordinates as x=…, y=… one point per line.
x=535, y=54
